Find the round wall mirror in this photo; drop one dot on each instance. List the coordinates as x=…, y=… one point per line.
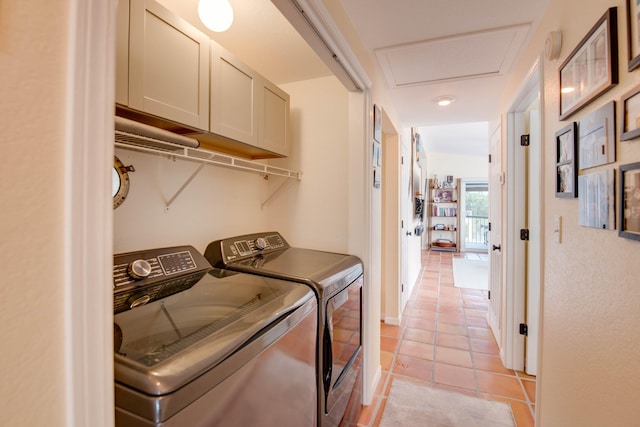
x=119, y=182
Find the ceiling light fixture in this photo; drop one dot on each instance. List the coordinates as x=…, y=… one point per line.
x=567, y=89
x=444, y=100
x=216, y=15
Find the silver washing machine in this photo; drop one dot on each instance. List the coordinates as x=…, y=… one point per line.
x=196, y=346
x=337, y=281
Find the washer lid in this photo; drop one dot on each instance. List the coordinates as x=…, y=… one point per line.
x=326, y=272
x=167, y=343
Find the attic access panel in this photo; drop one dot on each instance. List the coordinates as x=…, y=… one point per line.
x=463, y=56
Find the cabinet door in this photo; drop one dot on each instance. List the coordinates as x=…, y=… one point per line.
x=122, y=53
x=274, y=119
x=168, y=65
x=234, y=97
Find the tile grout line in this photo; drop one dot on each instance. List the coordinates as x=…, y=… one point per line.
x=468, y=335
x=387, y=382
x=471, y=353
x=526, y=395
x=430, y=262
x=436, y=333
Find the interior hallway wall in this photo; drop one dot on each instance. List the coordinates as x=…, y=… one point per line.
x=33, y=54
x=589, y=372
x=458, y=165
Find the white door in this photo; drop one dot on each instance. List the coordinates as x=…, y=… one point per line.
x=496, y=181
x=406, y=230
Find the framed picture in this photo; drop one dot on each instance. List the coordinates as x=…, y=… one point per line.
x=630, y=123
x=629, y=211
x=592, y=68
x=633, y=33
x=596, y=204
x=597, y=139
x=566, y=171
x=377, y=123
x=376, y=155
x=444, y=195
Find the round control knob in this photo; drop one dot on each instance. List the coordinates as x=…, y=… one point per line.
x=261, y=243
x=138, y=299
x=139, y=269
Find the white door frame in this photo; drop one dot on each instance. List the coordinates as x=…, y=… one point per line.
x=88, y=226
x=515, y=250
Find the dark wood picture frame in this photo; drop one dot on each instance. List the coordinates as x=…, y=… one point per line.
x=633, y=34
x=592, y=67
x=629, y=207
x=566, y=168
x=630, y=115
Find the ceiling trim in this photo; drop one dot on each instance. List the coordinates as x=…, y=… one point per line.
x=491, y=51
x=314, y=23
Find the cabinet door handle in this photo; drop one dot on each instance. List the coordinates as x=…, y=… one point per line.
x=497, y=248
x=408, y=233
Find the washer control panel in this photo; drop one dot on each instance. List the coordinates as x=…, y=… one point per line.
x=222, y=252
x=145, y=276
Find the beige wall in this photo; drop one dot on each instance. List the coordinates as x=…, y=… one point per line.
x=218, y=203
x=458, y=165
x=589, y=373
x=32, y=106
x=314, y=211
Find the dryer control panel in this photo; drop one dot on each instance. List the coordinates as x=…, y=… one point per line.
x=222, y=252
x=145, y=276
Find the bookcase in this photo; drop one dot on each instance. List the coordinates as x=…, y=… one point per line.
x=443, y=215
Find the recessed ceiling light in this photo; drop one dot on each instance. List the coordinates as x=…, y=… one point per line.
x=444, y=100
x=567, y=89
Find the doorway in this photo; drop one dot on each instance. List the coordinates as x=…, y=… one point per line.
x=523, y=244
x=474, y=226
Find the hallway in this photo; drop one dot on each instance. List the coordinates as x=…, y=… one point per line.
x=445, y=342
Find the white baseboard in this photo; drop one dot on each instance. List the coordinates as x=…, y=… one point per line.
x=391, y=321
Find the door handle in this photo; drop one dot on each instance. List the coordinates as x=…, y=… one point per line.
x=497, y=248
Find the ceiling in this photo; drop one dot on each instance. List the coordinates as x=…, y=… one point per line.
x=423, y=48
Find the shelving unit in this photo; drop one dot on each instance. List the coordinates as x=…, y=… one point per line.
x=443, y=223
x=149, y=145
x=184, y=150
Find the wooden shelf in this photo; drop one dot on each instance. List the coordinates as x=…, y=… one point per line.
x=439, y=207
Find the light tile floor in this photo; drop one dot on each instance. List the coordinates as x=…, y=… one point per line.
x=444, y=341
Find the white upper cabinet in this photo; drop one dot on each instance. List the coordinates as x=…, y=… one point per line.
x=274, y=119
x=234, y=97
x=168, y=65
x=245, y=106
x=168, y=69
